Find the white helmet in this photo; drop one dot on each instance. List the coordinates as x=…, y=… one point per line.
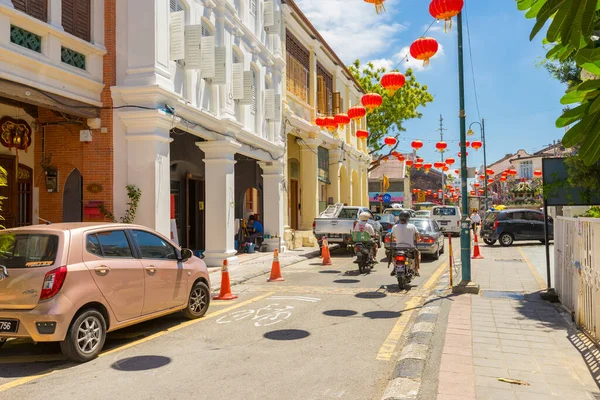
x=364, y=216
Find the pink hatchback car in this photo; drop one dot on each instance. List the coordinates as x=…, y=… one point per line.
x=74, y=282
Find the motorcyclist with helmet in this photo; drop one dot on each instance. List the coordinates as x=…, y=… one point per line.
x=407, y=235
x=363, y=225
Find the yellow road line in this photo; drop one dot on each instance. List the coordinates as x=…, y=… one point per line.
x=22, y=381
x=540, y=281
x=386, y=351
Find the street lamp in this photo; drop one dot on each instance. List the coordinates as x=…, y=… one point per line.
x=471, y=133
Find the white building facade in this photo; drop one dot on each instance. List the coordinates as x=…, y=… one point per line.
x=198, y=128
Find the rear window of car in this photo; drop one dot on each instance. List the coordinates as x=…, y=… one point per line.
x=490, y=217
x=28, y=250
x=393, y=212
x=348, y=213
x=445, y=211
x=422, y=225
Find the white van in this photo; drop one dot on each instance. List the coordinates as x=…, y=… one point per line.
x=447, y=217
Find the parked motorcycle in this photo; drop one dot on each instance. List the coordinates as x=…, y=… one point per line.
x=363, y=249
x=404, y=264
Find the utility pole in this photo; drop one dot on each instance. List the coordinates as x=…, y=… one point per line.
x=441, y=131
x=465, y=286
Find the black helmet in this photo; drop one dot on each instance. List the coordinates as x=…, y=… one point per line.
x=404, y=216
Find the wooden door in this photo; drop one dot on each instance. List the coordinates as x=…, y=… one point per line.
x=16, y=198
x=294, y=204
x=195, y=213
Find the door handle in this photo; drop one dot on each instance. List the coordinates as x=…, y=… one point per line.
x=102, y=270
x=151, y=270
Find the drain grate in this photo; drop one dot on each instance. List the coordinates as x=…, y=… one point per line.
x=493, y=294
x=508, y=259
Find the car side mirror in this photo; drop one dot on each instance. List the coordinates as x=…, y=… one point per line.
x=378, y=218
x=186, y=254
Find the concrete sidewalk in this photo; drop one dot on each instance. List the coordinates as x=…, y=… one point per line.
x=256, y=264
x=509, y=333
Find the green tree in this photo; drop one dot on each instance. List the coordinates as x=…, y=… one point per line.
x=572, y=33
x=388, y=119
x=567, y=72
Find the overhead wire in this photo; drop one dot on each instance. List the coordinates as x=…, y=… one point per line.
x=471, y=62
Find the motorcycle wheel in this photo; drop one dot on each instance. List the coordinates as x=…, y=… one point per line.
x=361, y=266
x=401, y=281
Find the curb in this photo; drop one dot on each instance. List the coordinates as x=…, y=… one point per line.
x=245, y=278
x=406, y=381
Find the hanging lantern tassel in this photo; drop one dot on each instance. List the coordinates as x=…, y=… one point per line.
x=379, y=7
x=446, y=10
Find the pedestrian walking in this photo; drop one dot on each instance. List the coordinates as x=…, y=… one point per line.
x=475, y=220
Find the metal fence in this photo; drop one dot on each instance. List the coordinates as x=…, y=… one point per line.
x=577, y=269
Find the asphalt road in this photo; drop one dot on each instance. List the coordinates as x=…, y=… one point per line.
x=326, y=332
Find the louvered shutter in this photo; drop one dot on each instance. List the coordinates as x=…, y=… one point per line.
x=36, y=8
x=177, y=33
x=321, y=99
x=248, y=88
x=207, y=51
x=275, y=28
x=269, y=104
x=278, y=112
x=82, y=19
x=238, y=81
x=68, y=12
x=337, y=103
x=193, y=34
x=220, y=66
x=269, y=9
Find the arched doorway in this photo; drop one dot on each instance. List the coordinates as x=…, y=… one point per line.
x=294, y=192
x=73, y=198
x=344, y=186
x=356, y=193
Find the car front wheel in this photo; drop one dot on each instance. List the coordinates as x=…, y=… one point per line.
x=198, y=301
x=489, y=242
x=506, y=239
x=85, y=337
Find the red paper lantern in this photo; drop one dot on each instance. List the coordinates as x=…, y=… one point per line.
x=392, y=81
x=371, y=101
x=450, y=161
x=445, y=168
x=467, y=144
x=379, y=7
x=482, y=177
x=330, y=124
x=357, y=112
x=481, y=191
x=400, y=157
x=476, y=184
x=419, y=159
x=429, y=191
x=512, y=172
x=456, y=171
x=390, y=141
x=423, y=49
x=320, y=122
x=537, y=173
x=409, y=163
x=476, y=144
x=416, y=144
x=427, y=166
x=415, y=191
x=441, y=146
x=439, y=165
x=362, y=134
x=490, y=181
x=418, y=165
x=503, y=178
x=489, y=171
x=342, y=120
x=472, y=193
x=466, y=152
x=445, y=9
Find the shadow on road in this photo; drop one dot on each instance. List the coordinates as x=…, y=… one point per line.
x=287, y=334
x=340, y=313
x=346, y=281
x=370, y=295
x=382, y=314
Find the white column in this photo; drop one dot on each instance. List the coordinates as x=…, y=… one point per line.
x=55, y=13
x=219, y=166
x=309, y=169
x=148, y=45
x=273, y=199
x=148, y=159
x=335, y=158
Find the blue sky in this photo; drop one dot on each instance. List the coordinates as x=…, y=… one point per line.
x=518, y=99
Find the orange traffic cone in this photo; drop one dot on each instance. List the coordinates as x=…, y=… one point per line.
x=325, y=252
x=275, y=269
x=476, y=253
x=225, y=293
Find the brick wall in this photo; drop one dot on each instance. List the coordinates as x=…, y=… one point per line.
x=94, y=160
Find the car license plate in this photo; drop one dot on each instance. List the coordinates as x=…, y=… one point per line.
x=9, y=325
x=335, y=235
x=444, y=222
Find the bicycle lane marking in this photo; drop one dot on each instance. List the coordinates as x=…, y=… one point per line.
x=269, y=315
x=27, y=379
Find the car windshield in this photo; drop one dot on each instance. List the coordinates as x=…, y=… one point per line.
x=348, y=213
x=422, y=213
x=420, y=224
x=444, y=211
x=27, y=250
x=395, y=212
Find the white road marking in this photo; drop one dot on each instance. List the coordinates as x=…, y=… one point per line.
x=299, y=298
x=266, y=316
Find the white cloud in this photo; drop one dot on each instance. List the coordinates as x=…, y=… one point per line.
x=383, y=63
x=353, y=31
